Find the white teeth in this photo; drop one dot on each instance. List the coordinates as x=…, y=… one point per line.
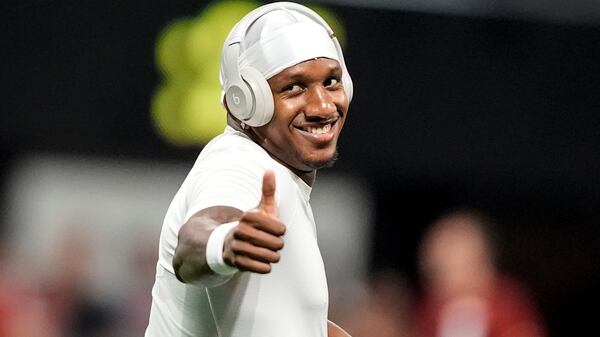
x=318, y=131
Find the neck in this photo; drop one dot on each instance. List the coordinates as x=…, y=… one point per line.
x=307, y=176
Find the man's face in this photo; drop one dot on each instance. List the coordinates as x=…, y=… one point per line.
x=310, y=111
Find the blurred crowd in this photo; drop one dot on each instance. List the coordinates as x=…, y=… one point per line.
x=58, y=302
x=461, y=292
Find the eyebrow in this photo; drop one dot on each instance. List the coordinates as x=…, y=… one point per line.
x=334, y=69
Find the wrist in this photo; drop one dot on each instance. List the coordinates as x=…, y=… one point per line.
x=214, y=250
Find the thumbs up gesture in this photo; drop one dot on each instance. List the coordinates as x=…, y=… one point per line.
x=254, y=244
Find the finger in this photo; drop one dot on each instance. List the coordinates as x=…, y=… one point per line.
x=265, y=222
x=245, y=263
x=267, y=202
x=258, y=237
x=256, y=253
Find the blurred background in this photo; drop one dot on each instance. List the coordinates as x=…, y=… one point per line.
x=474, y=132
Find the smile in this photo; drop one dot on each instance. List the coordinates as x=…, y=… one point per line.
x=320, y=133
x=317, y=130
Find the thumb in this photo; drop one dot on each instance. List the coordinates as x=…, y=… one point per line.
x=267, y=202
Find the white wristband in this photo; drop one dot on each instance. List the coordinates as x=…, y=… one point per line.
x=214, y=249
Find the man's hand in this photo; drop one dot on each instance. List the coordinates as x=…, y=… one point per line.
x=255, y=243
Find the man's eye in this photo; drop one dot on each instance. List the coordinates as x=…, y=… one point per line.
x=331, y=82
x=293, y=88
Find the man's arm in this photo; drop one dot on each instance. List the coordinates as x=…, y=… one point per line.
x=189, y=261
x=250, y=246
x=333, y=330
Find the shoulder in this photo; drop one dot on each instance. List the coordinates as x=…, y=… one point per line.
x=513, y=295
x=233, y=160
x=232, y=147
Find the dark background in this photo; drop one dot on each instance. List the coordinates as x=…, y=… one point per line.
x=496, y=113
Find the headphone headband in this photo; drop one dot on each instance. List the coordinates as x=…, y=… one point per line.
x=240, y=32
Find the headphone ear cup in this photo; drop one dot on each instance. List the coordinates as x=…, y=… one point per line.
x=240, y=100
x=262, y=95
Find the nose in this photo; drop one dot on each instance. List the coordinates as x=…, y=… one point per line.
x=320, y=103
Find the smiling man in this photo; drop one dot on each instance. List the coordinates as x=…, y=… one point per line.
x=238, y=252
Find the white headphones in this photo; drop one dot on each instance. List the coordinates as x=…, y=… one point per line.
x=247, y=93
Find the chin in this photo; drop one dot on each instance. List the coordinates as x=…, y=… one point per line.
x=323, y=163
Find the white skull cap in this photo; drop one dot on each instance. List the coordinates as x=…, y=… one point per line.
x=280, y=39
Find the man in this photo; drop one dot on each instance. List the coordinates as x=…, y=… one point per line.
x=238, y=250
x=464, y=291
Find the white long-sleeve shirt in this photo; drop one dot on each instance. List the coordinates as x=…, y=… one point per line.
x=290, y=301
